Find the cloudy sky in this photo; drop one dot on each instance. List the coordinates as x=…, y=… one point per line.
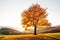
x=10, y=11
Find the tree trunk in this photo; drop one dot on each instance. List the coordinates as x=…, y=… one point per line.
x=35, y=30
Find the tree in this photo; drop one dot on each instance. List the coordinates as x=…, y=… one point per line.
x=35, y=16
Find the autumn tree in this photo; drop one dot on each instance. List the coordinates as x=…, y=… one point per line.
x=35, y=16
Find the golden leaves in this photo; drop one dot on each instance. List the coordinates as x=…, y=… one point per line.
x=35, y=15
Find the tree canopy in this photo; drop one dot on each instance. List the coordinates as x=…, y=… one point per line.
x=35, y=15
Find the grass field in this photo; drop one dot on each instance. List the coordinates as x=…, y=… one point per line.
x=44, y=36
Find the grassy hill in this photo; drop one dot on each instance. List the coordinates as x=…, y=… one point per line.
x=46, y=36
x=52, y=33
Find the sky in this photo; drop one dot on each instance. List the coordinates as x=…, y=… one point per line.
x=10, y=11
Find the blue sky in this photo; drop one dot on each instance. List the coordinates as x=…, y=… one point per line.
x=10, y=11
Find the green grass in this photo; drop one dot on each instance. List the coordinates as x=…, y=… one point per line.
x=46, y=36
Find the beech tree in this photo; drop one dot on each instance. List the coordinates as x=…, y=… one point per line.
x=35, y=16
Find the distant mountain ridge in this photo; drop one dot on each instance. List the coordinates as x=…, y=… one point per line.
x=46, y=30
x=9, y=31
x=53, y=29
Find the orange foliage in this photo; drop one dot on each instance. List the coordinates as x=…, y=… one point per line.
x=35, y=15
